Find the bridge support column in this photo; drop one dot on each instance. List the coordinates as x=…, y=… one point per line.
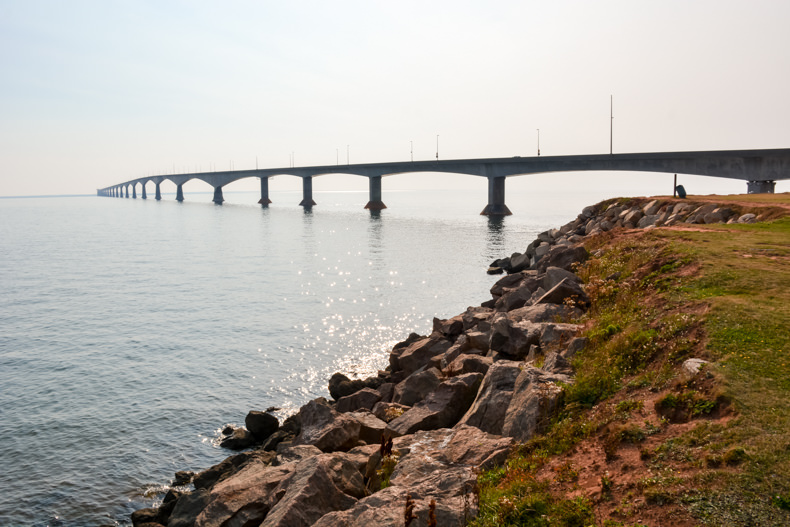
x=264, y=192
x=218, y=199
x=127, y=191
x=158, y=192
x=307, y=192
x=760, y=187
x=134, y=190
x=496, y=198
x=375, y=202
x=142, y=191
x=180, y=192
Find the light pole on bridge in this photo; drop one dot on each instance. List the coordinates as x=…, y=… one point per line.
x=437, y=147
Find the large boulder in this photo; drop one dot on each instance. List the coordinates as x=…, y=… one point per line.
x=536, y=397
x=448, y=328
x=508, y=282
x=563, y=257
x=510, y=340
x=555, y=275
x=364, y=399
x=566, y=290
x=327, y=429
x=493, y=399
x=342, y=386
x=317, y=486
x=417, y=354
x=468, y=364
x=416, y=386
x=238, y=439
x=261, y=424
x=441, y=408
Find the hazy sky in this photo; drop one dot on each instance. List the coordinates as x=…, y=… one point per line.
x=98, y=92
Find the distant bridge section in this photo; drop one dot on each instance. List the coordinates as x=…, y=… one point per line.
x=759, y=168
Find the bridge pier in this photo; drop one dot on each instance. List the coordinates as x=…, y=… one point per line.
x=158, y=192
x=142, y=190
x=496, y=198
x=127, y=191
x=218, y=199
x=134, y=190
x=375, y=202
x=307, y=192
x=760, y=187
x=180, y=192
x=264, y=192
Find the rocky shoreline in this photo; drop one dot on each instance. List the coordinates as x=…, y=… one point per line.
x=405, y=447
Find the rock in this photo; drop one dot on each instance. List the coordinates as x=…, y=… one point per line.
x=289, y=454
x=389, y=411
x=747, y=218
x=441, y=408
x=365, y=399
x=187, y=508
x=327, y=429
x=536, y=396
x=478, y=340
x=718, y=215
x=651, y=208
x=342, y=386
x=460, y=346
x=562, y=257
x=449, y=328
x=514, y=298
x=240, y=439
x=693, y=366
x=556, y=363
x=275, y=439
x=509, y=339
x=633, y=216
x=370, y=427
x=545, y=313
x=416, y=386
x=575, y=346
x=495, y=270
x=261, y=424
x=468, y=364
x=518, y=263
x=417, y=354
x=183, y=477
x=508, y=282
x=228, y=467
x=387, y=390
x=493, y=399
x=557, y=335
x=648, y=221
x=473, y=316
x=555, y=275
x=147, y=516
x=566, y=290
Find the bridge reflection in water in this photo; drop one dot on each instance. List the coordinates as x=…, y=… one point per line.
x=759, y=168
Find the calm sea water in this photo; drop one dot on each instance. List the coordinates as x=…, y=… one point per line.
x=131, y=331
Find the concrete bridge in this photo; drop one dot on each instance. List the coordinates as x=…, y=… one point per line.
x=759, y=168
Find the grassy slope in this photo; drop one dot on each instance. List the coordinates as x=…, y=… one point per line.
x=719, y=451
